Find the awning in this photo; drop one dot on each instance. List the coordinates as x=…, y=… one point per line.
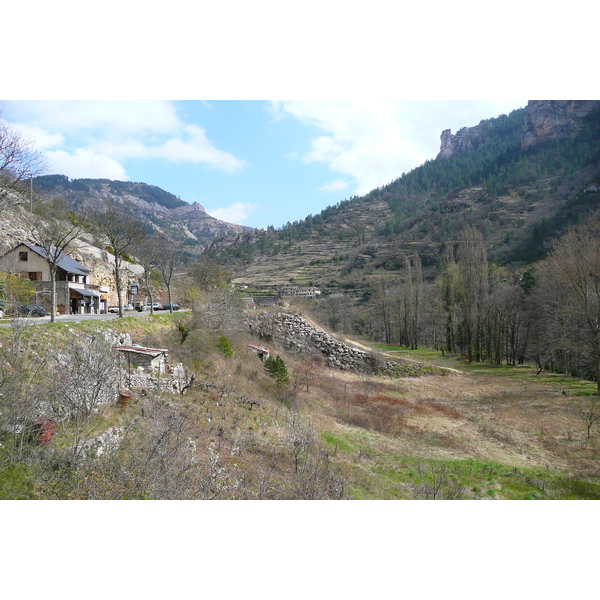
x=84, y=292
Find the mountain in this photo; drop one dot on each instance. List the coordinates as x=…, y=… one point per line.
x=165, y=214
x=522, y=179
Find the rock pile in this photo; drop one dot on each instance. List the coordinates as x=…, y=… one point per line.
x=292, y=332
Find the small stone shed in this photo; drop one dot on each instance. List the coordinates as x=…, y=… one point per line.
x=262, y=353
x=151, y=359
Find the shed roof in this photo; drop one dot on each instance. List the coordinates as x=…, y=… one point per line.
x=143, y=350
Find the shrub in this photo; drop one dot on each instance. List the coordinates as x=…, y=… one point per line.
x=224, y=346
x=275, y=367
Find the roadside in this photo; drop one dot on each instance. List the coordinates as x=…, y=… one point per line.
x=5, y=322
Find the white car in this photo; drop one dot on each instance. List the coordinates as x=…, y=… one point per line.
x=155, y=305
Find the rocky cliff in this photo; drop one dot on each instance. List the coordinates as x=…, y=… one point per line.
x=544, y=121
x=549, y=120
x=466, y=138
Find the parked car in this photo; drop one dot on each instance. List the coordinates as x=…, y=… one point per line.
x=115, y=309
x=156, y=305
x=175, y=306
x=33, y=310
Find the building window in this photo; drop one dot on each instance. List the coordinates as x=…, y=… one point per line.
x=35, y=276
x=23, y=256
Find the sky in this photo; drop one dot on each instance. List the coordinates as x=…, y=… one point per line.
x=251, y=162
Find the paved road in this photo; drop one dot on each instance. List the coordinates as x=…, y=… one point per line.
x=75, y=318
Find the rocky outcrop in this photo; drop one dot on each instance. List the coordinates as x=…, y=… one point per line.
x=549, y=120
x=544, y=122
x=466, y=138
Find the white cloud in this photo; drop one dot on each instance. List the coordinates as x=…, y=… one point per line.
x=190, y=146
x=334, y=186
x=104, y=134
x=236, y=213
x=197, y=148
x=41, y=139
x=374, y=142
x=85, y=116
x=83, y=163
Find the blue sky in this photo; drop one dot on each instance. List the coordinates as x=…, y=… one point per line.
x=258, y=162
x=252, y=162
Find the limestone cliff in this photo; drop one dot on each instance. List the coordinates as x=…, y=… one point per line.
x=466, y=138
x=544, y=121
x=549, y=120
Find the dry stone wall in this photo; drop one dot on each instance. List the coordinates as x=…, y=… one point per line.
x=294, y=333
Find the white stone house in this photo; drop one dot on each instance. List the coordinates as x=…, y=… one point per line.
x=75, y=294
x=310, y=292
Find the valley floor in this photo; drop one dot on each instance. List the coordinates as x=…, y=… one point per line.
x=477, y=432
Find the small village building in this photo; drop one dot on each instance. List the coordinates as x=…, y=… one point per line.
x=75, y=294
x=262, y=353
x=310, y=292
x=150, y=359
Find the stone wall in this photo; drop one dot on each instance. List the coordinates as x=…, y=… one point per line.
x=294, y=333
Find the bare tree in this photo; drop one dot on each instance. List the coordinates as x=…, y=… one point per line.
x=54, y=232
x=167, y=264
x=308, y=372
x=148, y=253
x=19, y=161
x=316, y=480
x=122, y=233
x=473, y=285
x=208, y=274
x=85, y=375
x=297, y=434
x=588, y=411
x=570, y=294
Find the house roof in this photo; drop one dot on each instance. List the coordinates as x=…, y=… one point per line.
x=66, y=263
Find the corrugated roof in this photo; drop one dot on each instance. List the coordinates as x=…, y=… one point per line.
x=68, y=264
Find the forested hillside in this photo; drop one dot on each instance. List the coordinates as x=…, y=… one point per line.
x=467, y=253
x=519, y=198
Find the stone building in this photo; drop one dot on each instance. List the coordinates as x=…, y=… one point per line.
x=75, y=294
x=151, y=359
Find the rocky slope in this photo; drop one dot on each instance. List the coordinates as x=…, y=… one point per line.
x=182, y=223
